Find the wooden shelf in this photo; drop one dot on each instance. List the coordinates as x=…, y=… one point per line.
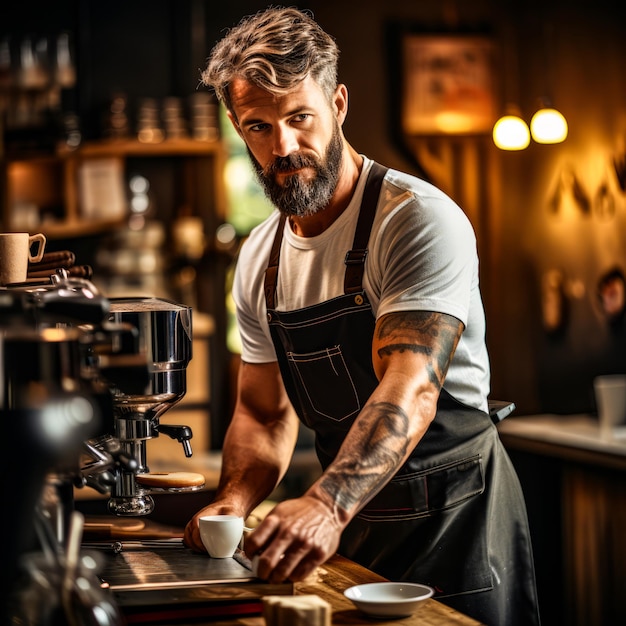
x=50, y=180
x=133, y=147
x=121, y=148
x=78, y=228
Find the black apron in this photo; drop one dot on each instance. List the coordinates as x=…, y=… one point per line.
x=453, y=517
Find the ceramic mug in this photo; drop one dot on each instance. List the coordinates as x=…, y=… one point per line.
x=221, y=534
x=15, y=254
x=610, y=392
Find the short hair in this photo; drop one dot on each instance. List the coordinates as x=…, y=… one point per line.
x=274, y=49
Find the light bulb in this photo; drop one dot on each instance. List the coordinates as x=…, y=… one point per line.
x=510, y=132
x=548, y=126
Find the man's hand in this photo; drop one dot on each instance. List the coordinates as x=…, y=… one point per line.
x=294, y=538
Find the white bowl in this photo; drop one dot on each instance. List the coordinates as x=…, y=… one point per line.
x=388, y=599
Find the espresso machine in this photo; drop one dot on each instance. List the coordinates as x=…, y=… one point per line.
x=84, y=381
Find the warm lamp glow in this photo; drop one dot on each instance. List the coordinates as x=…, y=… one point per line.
x=548, y=126
x=453, y=122
x=511, y=133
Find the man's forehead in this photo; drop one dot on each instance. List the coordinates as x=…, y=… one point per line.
x=245, y=95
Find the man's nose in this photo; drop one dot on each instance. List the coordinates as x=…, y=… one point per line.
x=285, y=141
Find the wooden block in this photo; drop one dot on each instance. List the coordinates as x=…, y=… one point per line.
x=305, y=610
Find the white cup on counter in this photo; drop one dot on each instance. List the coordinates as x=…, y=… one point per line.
x=610, y=394
x=16, y=253
x=221, y=534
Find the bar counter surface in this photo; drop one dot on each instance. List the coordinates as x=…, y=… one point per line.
x=329, y=582
x=576, y=438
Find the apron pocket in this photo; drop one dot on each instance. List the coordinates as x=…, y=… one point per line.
x=415, y=494
x=324, y=383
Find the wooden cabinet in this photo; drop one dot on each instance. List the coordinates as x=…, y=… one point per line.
x=573, y=480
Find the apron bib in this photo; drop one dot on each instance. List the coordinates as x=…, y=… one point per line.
x=436, y=522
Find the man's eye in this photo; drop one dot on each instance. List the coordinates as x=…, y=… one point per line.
x=257, y=128
x=302, y=117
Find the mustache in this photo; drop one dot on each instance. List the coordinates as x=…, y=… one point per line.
x=290, y=162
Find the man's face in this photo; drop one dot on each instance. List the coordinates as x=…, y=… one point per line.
x=294, y=141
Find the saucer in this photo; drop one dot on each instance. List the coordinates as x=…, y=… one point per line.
x=388, y=599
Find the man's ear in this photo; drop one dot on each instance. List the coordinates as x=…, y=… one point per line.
x=340, y=103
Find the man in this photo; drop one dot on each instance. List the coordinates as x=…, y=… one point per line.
x=359, y=307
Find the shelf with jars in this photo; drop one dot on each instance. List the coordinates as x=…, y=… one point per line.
x=82, y=191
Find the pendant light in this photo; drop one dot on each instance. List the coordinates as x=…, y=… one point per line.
x=511, y=132
x=548, y=125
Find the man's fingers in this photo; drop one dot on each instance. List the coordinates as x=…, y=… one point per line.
x=282, y=558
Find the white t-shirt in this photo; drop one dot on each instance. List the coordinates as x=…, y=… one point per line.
x=422, y=257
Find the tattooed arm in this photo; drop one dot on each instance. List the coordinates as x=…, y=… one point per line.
x=411, y=353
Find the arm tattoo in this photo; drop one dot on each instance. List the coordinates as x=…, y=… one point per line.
x=432, y=334
x=380, y=445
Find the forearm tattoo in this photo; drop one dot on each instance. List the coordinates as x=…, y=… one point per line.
x=432, y=334
x=382, y=438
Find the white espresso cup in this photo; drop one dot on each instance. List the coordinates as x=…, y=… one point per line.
x=221, y=534
x=15, y=254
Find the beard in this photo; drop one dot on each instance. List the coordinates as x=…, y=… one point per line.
x=297, y=196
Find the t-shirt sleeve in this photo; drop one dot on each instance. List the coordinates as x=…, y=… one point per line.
x=247, y=292
x=424, y=258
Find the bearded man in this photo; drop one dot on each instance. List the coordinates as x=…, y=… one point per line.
x=360, y=313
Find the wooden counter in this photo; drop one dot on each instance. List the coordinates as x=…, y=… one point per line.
x=329, y=582
x=332, y=579
x=574, y=481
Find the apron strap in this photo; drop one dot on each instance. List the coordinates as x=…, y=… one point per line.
x=271, y=273
x=355, y=258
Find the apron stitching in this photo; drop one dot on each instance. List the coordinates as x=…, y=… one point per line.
x=470, y=460
x=305, y=357
x=314, y=321
x=416, y=514
x=306, y=390
x=332, y=363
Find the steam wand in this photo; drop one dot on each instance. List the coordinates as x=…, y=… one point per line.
x=181, y=433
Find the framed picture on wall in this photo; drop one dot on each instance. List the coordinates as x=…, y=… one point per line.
x=447, y=84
